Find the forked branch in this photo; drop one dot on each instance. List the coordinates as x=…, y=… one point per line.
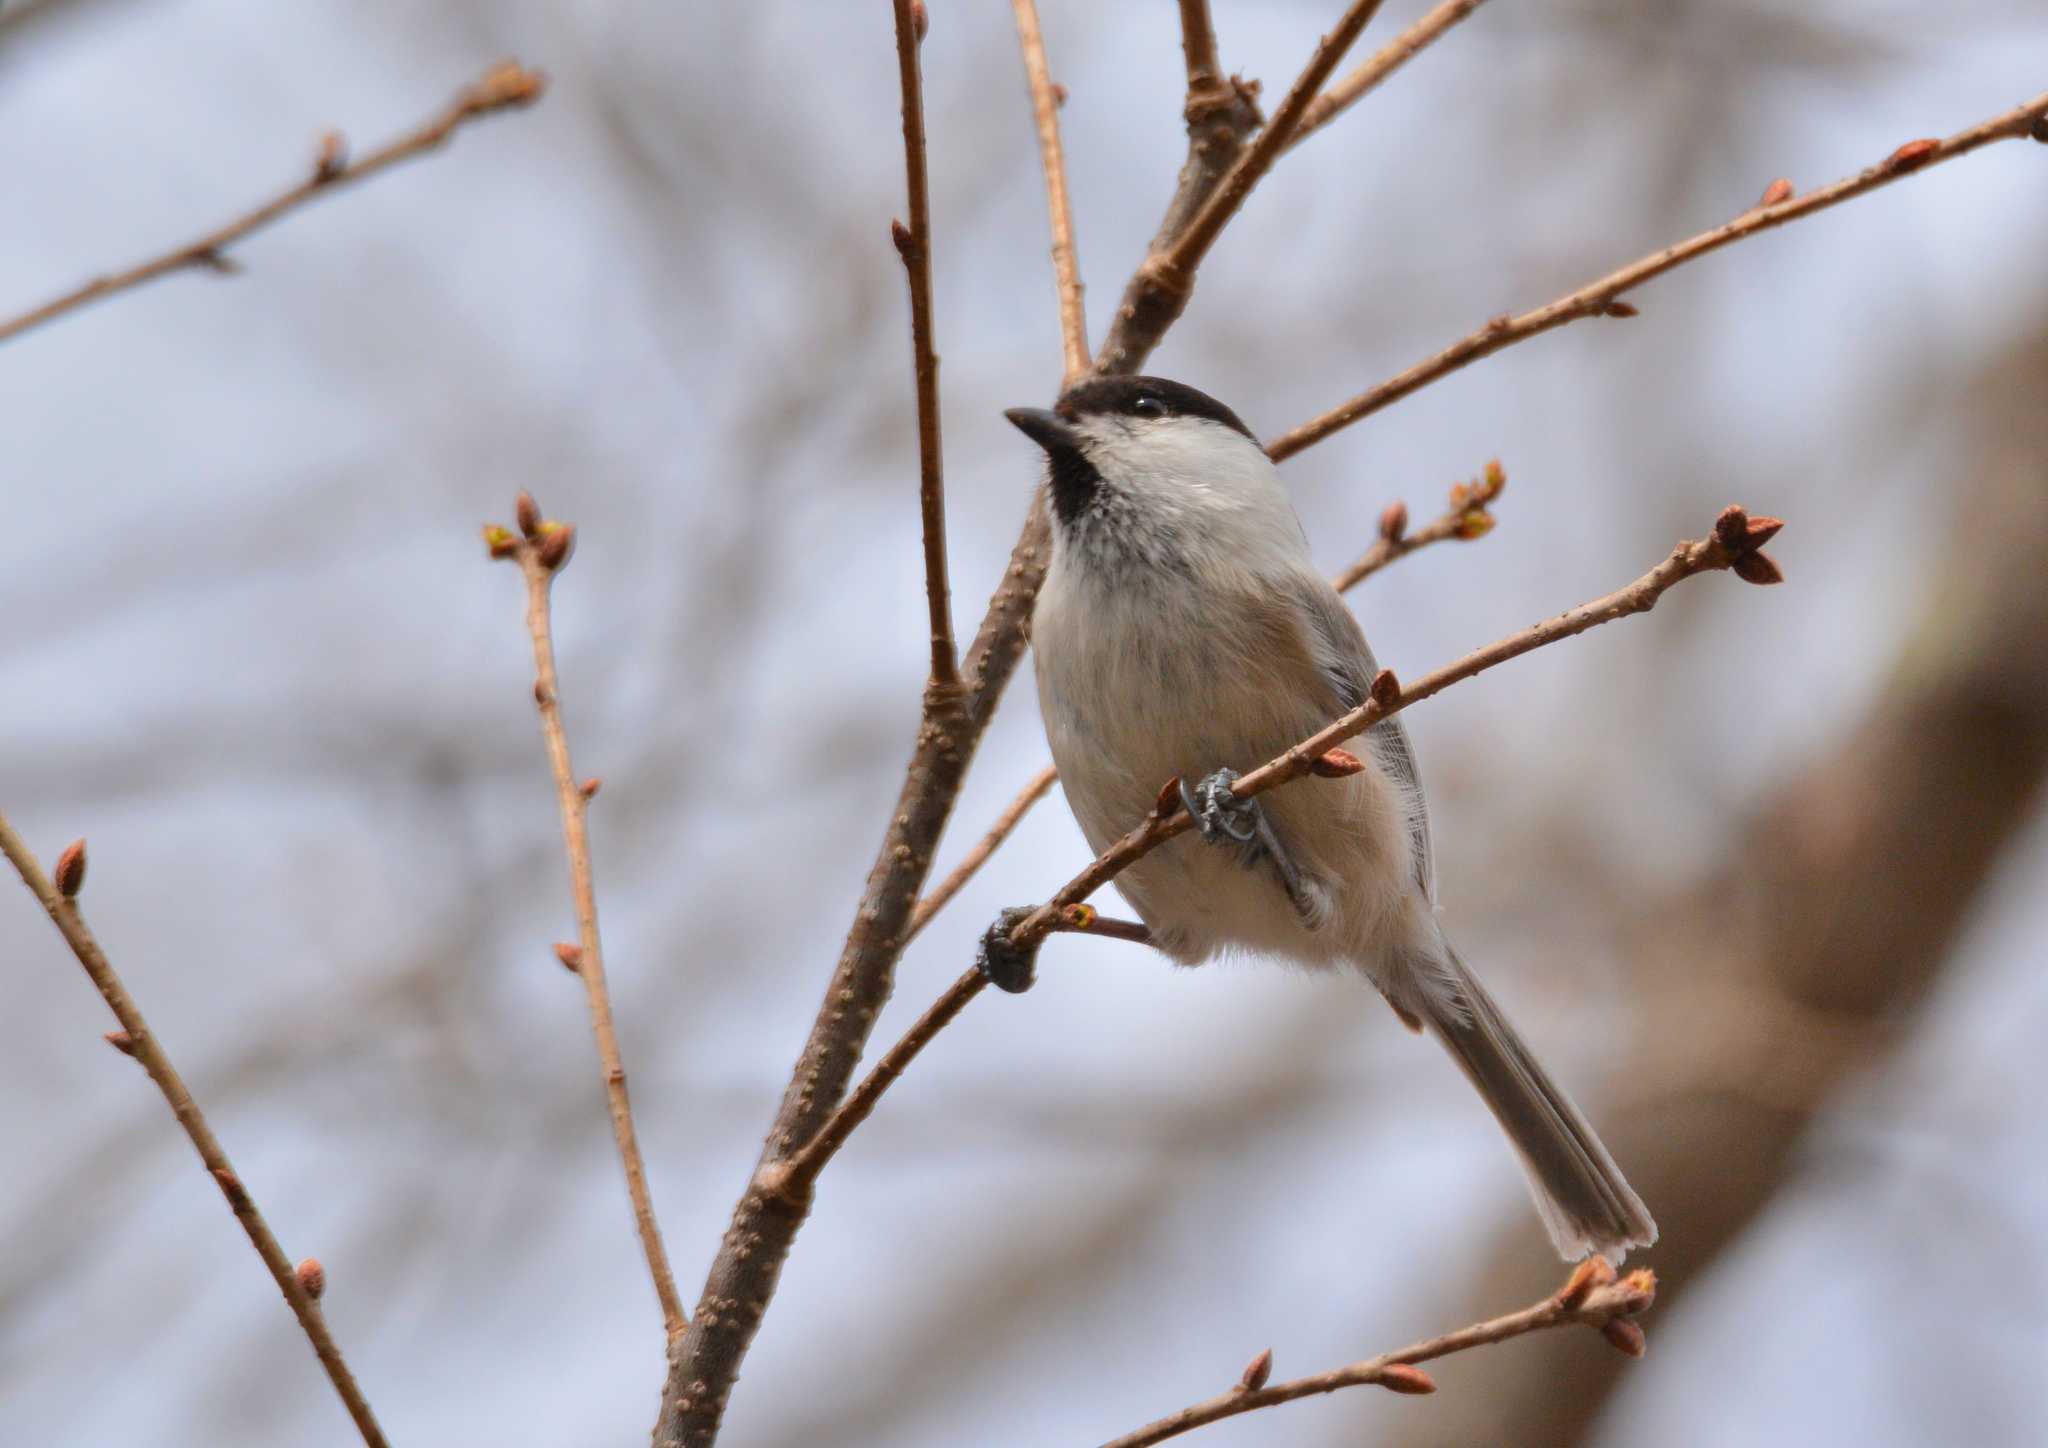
x=504, y=85
x=59, y=899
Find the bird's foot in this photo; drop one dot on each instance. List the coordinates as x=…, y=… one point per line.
x=1222, y=817
x=1008, y=966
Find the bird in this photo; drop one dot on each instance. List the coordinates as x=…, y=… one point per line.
x=1183, y=632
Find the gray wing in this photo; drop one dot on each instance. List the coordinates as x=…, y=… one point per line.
x=1347, y=662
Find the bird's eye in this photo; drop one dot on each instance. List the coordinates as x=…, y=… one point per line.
x=1146, y=405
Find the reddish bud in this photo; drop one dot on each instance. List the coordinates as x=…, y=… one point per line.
x=527, y=512
x=121, y=1041
x=1256, y=1372
x=312, y=1277
x=571, y=956
x=508, y=83
x=501, y=542
x=1496, y=478
x=331, y=159
x=591, y=786
x=1401, y=1378
x=1078, y=917
x=1169, y=801
x=1623, y=310
x=556, y=544
x=1059, y=94
x=1474, y=523
x=1762, y=531
x=906, y=244
x=1758, y=568
x=1731, y=528
x=1625, y=1336
x=1910, y=155
x=1336, y=764
x=1386, y=689
x=1778, y=190
x=1394, y=522
x=920, y=20
x=1500, y=323
x=1641, y=1285
x=1591, y=1273
x=70, y=871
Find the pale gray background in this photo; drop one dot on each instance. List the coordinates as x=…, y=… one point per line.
x=253, y=651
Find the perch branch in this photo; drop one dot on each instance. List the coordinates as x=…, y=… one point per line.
x=503, y=86
x=541, y=554
x=1603, y=297
x=1736, y=543
x=136, y=1039
x=1592, y=1296
x=914, y=245
x=1045, y=105
x=1389, y=58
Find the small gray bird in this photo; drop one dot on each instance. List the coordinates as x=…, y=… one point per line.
x=1183, y=631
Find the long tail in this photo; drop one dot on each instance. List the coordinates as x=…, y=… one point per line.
x=1580, y=1193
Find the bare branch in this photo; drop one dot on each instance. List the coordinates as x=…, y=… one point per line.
x=503, y=86
x=541, y=554
x=1604, y=296
x=914, y=245
x=943, y=893
x=1736, y=543
x=59, y=900
x=1592, y=1296
x=1045, y=104
x=1390, y=58
x=1166, y=278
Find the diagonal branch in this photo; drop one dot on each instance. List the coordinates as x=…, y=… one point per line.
x=1045, y=105
x=503, y=86
x=59, y=900
x=914, y=245
x=1396, y=53
x=1603, y=296
x=1592, y=1297
x=541, y=554
x=1735, y=543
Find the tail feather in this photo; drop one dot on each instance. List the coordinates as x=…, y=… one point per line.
x=1581, y=1195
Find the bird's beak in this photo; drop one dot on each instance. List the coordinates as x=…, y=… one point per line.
x=1048, y=429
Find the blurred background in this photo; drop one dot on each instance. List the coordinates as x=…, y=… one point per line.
x=1762, y=874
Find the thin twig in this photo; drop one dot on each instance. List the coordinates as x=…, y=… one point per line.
x=1165, y=280
x=1736, y=542
x=505, y=85
x=1592, y=1296
x=1198, y=45
x=540, y=556
x=942, y=893
x=914, y=245
x=137, y=1040
x=1603, y=296
x=1066, y=269
x=1388, y=59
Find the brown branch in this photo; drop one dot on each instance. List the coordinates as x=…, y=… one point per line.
x=136, y=1039
x=503, y=86
x=1045, y=104
x=541, y=554
x=914, y=245
x=1592, y=1296
x=943, y=893
x=1166, y=278
x=1736, y=543
x=1221, y=116
x=1603, y=297
x=1390, y=58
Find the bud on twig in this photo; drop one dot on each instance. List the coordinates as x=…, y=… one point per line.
x=920, y=20
x=2039, y=130
x=1474, y=523
x=1625, y=1336
x=1496, y=479
x=1911, y=155
x=591, y=786
x=1620, y=309
x=1757, y=568
x=501, y=542
x=1762, y=531
x=508, y=83
x=1778, y=190
x=1059, y=94
x=1256, y=1372
x=1591, y=1273
x=906, y=242
x=571, y=956
x=1078, y=917
x=312, y=1277
x=1731, y=528
x=70, y=871
x=1336, y=764
x=331, y=159
x=1401, y=1378
x=555, y=546
x=1394, y=522
x=1168, y=804
x=120, y=1041
x=1386, y=689
x=527, y=512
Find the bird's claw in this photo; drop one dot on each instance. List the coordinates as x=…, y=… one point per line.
x=1008, y=966
x=1219, y=814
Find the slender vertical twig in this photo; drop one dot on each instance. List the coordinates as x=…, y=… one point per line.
x=1045, y=104
x=914, y=245
x=541, y=554
x=135, y=1038
x=504, y=85
x=1384, y=62
x=943, y=892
